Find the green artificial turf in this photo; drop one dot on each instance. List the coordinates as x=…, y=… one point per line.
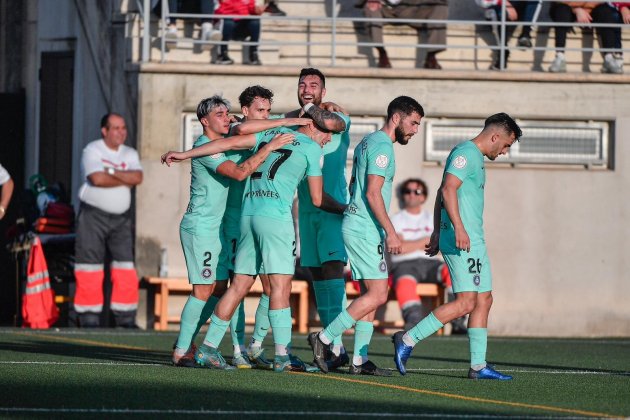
x=111, y=373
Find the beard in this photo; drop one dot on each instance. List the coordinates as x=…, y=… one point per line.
x=399, y=135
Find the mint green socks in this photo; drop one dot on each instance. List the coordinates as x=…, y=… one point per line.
x=205, y=314
x=190, y=319
x=216, y=331
x=337, y=327
x=237, y=328
x=280, y=320
x=262, y=321
x=478, y=341
x=362, y=336
x=428, y=326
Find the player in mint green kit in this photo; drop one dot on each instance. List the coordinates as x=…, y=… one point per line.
x=459, y=236
x=201, y=229
x=368, y=233
x=321, y=242
x=267, y=242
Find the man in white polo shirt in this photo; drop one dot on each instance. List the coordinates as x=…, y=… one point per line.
x=7, y=191
x=110, y=169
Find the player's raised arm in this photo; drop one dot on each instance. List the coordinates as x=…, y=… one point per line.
x=321, y=199
x=256, y=126
x=216, y=146
x=325, y=119
x=377, y=205
x=245, y=169
x=449, y=197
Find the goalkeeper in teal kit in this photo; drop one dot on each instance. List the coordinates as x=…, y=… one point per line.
x=459, y=236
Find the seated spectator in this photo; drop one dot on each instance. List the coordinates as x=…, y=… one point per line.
x=412, y=266
x=206, y=7
x=585, y=13
x=271, y=8
x=239, y=29
x=516, y=10
x=623, y=16
x=408, y=9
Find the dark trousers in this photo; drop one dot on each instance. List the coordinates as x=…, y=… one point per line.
x=240, y=30
x=603, y=13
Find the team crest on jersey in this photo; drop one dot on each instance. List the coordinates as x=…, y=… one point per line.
x=216, y=156
x=381, y=161
x=477, y=279
x=206, y=273
x=382, y=266
x=459, y=162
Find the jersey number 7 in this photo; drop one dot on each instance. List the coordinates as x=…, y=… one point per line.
x=284, y=155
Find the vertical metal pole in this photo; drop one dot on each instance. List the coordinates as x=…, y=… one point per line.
x=333, y=48
x=502, y=37
x=146, y=30
x=165, y=12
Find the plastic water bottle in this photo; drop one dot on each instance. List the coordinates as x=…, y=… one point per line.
x=163, y=270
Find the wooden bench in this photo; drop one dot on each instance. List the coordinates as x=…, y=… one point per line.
x=426, y=290
x=165, y=286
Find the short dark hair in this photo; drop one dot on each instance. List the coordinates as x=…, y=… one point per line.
x=313, y=72
x=105, y=119
x=208, y=104
x=252, y=92
x=405, y=105
x=506, y=122
x=423, y=185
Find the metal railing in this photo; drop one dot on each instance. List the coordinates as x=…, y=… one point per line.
x=500, y=26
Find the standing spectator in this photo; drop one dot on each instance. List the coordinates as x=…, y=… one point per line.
x=408, y=9
x=240, y=29
x=414, y=226
x=110, y=169
x=7, y=191
x=515, y=10
x=585, y=13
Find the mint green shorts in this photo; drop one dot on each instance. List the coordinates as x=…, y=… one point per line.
x=470, y=271
x=266, y=246
x=202, y=254
x=321, y=239
x=367, y=257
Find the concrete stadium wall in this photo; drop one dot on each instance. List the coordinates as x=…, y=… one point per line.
x=555, y=236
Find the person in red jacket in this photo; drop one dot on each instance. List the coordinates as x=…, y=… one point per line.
x=239, y=29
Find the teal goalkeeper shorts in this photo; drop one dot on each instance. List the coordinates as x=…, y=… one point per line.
x=203, y=261
x=367, y=257
x=232, y=234
x=470, y=271
x=321, y=239
x=266, y=246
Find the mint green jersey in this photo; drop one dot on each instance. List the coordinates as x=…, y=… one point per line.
x=269, y=191
x=208, y=192
x=466, y=163
x=373, y=156
x=333, y=170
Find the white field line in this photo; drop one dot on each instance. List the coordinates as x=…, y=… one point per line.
x=547, y=372
x=4, y=362
x=125, y=411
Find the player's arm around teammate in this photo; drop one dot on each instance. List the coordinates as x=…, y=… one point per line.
x=237, y=171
